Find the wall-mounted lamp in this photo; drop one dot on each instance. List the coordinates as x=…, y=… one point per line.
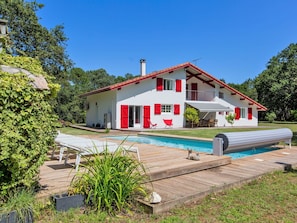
x=3, y=27
x=3, y=32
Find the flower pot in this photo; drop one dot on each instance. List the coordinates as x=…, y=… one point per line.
x=64, y=202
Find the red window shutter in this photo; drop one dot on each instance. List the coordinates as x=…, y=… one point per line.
x=176, y=109
x=124, y=116
x=146, y=117
x=157, y=109
x=178, y=85
x=237, y=113
x=250, y=113
x=159, y=84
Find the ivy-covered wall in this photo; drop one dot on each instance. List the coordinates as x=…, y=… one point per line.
x=27, y=123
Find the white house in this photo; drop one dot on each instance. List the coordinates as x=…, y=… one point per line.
x=151, y=98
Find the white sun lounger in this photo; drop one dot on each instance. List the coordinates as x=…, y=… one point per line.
x=83, y=146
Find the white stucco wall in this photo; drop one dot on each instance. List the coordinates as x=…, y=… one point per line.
x=233, y=101
x=145, y=93
x=206, y=91
x=99, y=105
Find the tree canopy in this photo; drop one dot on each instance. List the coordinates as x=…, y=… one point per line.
x=277, y=85
x=30, y=38
x=247, y=88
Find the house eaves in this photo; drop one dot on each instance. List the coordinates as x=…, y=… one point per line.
x=192, y=71
x=135, y=80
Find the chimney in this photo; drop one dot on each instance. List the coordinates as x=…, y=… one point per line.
x=142, y=67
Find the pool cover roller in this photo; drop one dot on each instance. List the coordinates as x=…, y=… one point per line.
x=237, y=141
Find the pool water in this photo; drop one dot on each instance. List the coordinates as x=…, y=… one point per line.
x=196, y=145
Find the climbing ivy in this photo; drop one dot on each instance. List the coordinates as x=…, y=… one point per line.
x=27, y=124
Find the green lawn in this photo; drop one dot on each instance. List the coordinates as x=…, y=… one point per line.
x=210, y=133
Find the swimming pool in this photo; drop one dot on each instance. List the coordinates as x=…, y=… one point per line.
x=196, y=145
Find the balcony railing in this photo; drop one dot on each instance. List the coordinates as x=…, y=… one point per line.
x=200, y=95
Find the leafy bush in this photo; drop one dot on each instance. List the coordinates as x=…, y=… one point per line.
x=192, y=115
x=230, y=118
x=27, y=124
x=111, y=181
x=293, y=116
x=270, y=116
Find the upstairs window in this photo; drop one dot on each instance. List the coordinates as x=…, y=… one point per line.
x=221, y=95
x=167, y=85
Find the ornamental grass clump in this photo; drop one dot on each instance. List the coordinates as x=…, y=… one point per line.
x=110, y=181
x=21, y=202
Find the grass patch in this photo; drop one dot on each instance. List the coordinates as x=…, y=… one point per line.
x=210, y=133
x=203, y=133
x=75, y=131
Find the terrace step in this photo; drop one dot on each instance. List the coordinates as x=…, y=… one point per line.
x=176, y=167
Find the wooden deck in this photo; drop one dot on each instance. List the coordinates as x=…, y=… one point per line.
x=194, y=186
x=177, y=179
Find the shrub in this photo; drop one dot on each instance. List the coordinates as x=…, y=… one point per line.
x=230, y=118
x=110, y=181
x=270, y=116
x=27, y=124
x=192, y=115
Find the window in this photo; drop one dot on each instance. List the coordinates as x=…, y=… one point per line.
x=168, y=84
x=221, y=95
x=166, y=108
x=242, y=112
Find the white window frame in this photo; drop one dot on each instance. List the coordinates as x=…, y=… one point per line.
x=243, y=113
x=168, y=84
x=166, y=109
x=221, y=95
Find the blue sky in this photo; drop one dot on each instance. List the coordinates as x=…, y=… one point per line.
x=229, y=39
